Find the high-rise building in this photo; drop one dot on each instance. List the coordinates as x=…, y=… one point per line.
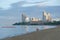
x=49, y=17
x=46, y=17
x=25, y=18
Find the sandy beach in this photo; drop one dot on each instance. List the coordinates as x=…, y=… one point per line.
x=48, y=34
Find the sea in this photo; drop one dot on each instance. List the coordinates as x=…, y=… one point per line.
x=10, y=31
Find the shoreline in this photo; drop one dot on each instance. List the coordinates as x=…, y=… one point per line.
x=51, y=34
x=37, y=23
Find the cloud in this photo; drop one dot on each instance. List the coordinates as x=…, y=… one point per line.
x=13, y=14
x=5, y=4
x=35, y=0
x=43, y=3
x=34, y=4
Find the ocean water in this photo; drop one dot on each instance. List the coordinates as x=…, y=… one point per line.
x=9, y=31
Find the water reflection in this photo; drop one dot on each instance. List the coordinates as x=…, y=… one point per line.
x=22, y=29
x=32, y=28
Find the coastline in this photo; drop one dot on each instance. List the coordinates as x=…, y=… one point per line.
x=38, y=23
x=48, y=34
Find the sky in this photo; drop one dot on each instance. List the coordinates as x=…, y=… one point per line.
x=5, y=5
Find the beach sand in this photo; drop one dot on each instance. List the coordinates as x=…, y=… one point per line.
x=47, y=34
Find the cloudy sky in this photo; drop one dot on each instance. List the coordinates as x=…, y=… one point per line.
x=7, y=3
x=7, y=17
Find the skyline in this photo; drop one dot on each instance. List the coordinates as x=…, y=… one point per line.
x=11, y=10
x=46, y=17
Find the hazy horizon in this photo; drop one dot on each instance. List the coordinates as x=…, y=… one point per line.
x=11, y=10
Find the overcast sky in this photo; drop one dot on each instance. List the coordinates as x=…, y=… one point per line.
x=11, y=17
x=7, y=3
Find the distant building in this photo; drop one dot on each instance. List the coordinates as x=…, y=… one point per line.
x=49, y=17
x=25, y=18
x=35, y=19
x=56, y=19
x=46, y=17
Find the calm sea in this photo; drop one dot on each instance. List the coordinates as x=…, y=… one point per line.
x=9, y=31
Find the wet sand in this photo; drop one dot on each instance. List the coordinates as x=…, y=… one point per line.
x=48, y=34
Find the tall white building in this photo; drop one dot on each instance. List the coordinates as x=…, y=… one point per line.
x=49, y=17
x=46, y=17
x=25, y=18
